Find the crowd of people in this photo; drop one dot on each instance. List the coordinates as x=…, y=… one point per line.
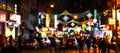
x=5, y=41
x=77, y=41
x=7, y=45
x=102, y=44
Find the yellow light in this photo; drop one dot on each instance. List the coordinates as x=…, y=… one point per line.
x=119, y=30
x=47, y=20
x=72, y=20
x=4, y=5
x=65, y=12
x=111, y=21
x=44, y=29
x=8, y=32
x=83, y=25
x=75, y=17
x=37, y=29
x=52, y=5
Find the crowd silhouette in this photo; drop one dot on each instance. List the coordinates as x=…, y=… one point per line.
x=103, y=44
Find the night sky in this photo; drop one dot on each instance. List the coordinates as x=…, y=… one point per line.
x=77, y=6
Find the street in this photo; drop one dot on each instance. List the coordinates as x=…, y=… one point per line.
x=66, y=51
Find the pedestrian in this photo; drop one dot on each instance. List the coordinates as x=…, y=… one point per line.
x=53, y=44
x=81, y=42
x=11, y=41
x=70, y=42
x=20, y=41
x=88, y=43
x=114, y=44
x=62, y=44
x=108, y=43
x=45, y=42
x=103, y=46
x=119, y=42
x=40, y=40
x=95, y=44
x=3, y=41
x=100, y=44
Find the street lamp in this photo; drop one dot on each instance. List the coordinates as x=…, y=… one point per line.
x=75, y=17
x=52, y=5
x=46, y=6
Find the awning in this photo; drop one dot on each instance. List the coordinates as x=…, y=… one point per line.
x=29, y=25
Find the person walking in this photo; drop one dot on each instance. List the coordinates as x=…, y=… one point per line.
x=20, y=41
x=88, y=43
x=3, y=42
x=11, y=41
x=95, y=44
x=70, y=42
x=62, y=44
x=114, y=44
x=103, y=46
x=100, y=44
x=108, y=44
x=53, y=44
x=81, y=42
x=119, y=42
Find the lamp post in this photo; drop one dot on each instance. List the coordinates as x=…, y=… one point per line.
x=46, y=6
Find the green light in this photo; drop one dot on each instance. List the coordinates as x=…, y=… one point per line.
x=95, y=13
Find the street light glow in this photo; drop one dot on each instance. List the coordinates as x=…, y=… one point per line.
x=75, y=17
x=52, y=5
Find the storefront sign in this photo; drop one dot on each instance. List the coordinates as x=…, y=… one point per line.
x=2, y=16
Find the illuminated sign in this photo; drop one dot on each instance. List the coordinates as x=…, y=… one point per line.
x=2, y=16
x=111, y=21
x=16, y=18
x=118, y=2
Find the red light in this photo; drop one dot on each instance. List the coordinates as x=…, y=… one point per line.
x=109, y=3
x=89, y=10
x=108, y=27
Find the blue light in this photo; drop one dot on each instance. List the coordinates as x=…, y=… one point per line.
x=95, y=28
x=2, y=0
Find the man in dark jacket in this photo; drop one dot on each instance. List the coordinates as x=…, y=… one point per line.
x=88, y=43
x=81, y=42
x=103, y=46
